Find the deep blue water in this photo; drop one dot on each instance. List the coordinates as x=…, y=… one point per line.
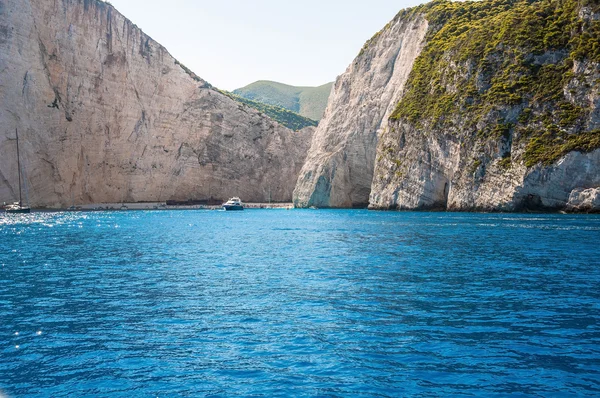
x=299, y=303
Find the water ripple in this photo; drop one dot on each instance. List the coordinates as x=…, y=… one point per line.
x=299, y=303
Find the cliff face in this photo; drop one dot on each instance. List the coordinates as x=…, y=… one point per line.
x=502, y=115
x=339, y=168
x=499, y=109
x=105, y=114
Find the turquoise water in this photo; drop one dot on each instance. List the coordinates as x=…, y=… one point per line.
x=299, y=303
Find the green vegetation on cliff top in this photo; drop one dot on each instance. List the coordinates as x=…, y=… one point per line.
x=309, y=102
x=282, y=116
x=512, y=60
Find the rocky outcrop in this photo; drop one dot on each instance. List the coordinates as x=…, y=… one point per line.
x=436, y=172
x=105, y=114
x=584, y=200
x=339, y=167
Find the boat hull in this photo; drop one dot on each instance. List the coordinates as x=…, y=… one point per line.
x=18, y=211
x=233, y=207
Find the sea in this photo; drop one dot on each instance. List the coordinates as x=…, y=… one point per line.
x=299, y=303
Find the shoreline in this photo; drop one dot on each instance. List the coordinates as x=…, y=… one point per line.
x=160, y=206
x=149, y=206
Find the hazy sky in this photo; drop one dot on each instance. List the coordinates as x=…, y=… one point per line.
x=231, y=43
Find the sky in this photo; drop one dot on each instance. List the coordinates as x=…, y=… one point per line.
x=232, y=43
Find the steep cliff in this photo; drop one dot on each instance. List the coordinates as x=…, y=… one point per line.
x=501, y=112
x=483, y=105
x=105, y=114
x=339, y=168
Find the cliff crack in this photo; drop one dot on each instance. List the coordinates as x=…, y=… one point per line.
x=43, y=54
x=24, y=83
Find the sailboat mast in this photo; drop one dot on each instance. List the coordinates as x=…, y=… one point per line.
x=19, y=167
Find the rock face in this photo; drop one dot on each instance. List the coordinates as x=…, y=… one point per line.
x=339, y=167
x=105, y=114
x=465, y=106
x=437, y=173
x=585, y=200
x=492, y=122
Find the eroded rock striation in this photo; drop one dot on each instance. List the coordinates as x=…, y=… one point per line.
x=106, y=114
x=500, y=111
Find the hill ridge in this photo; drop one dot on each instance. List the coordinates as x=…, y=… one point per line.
x=306, y=101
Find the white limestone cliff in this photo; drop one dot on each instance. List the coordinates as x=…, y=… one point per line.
x=585, y=200
x=425, y=167
x=434, y=171
x=359, y=155
x=106, y=114
x=339, y=166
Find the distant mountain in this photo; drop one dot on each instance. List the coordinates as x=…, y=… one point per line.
x=309, y=102
x=283, y=116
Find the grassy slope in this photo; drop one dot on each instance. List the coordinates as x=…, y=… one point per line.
x=486, y=57
x=283, y=116
x=309, y=102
